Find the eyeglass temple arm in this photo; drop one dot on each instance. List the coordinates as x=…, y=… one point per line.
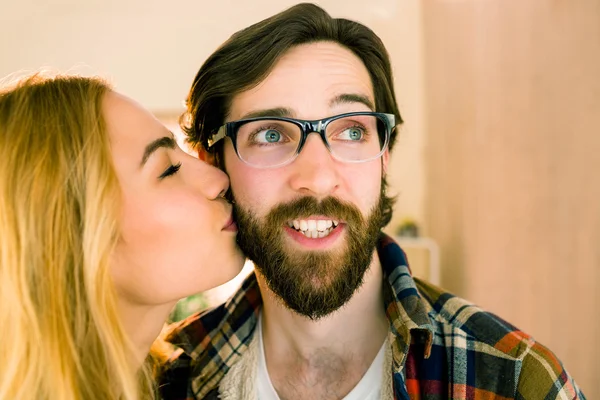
x=216, y=136
x=391, y=120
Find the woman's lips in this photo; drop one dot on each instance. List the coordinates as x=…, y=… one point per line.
x=230, y=226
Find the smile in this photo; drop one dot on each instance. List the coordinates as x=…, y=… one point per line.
x=314, y=228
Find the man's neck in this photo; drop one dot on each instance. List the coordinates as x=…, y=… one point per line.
x=336, y=349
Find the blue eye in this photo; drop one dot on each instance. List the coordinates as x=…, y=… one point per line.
x=266, y=135
x=354, y=134
x=271, y=136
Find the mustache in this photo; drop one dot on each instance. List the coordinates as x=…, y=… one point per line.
x=307, y=206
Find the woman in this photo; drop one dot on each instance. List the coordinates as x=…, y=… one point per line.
x=104, y=224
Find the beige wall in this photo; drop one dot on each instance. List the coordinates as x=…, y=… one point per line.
x=513, y=158
x=152, y=49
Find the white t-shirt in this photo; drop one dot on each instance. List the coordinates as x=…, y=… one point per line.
x=368, y=388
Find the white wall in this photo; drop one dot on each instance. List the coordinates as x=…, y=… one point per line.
x=151, y=51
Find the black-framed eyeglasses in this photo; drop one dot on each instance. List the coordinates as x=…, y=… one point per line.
x=269, y=142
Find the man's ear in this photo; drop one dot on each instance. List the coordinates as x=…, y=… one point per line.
x=207, y=157
x=385, y=158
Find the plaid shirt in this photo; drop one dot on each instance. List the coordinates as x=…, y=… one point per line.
x=443, y=347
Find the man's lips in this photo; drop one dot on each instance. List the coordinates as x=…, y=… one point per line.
x=315, y=226
x=306, y=239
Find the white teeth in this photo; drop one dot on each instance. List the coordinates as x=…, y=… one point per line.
x=303, y=225
x=314, y=234
x=313, y=228
x=321, y=225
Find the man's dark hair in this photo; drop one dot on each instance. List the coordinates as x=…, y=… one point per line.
x=249, y=55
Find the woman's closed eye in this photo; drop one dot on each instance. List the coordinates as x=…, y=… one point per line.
x=171, y=170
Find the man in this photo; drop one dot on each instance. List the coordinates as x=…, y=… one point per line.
x=299, y=110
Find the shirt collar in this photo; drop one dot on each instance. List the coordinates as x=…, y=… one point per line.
x=407, y=312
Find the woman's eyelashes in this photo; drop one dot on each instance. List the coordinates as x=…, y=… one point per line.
x=172, y=170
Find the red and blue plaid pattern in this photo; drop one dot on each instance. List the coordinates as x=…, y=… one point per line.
x=443, y=347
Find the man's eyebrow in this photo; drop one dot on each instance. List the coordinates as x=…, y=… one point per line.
x=165, y=141
x=352, y=98
x=288, y=112
x=270, y=112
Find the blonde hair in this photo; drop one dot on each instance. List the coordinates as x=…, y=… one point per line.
x=60, y=333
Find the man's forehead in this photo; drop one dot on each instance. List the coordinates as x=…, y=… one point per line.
x=315, y=77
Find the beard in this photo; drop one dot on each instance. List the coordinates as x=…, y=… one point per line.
x=312, y=283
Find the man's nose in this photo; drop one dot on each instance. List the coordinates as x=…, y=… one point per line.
x=315, y=170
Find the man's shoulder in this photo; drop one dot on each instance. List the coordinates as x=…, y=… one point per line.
x=453, y=314
x=188, y=333
x=460, y=323
x=235, y=316
x=208, y=343
x=175, y=373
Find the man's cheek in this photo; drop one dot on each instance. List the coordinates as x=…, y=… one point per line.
x=257, y=201
x=241, y=202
